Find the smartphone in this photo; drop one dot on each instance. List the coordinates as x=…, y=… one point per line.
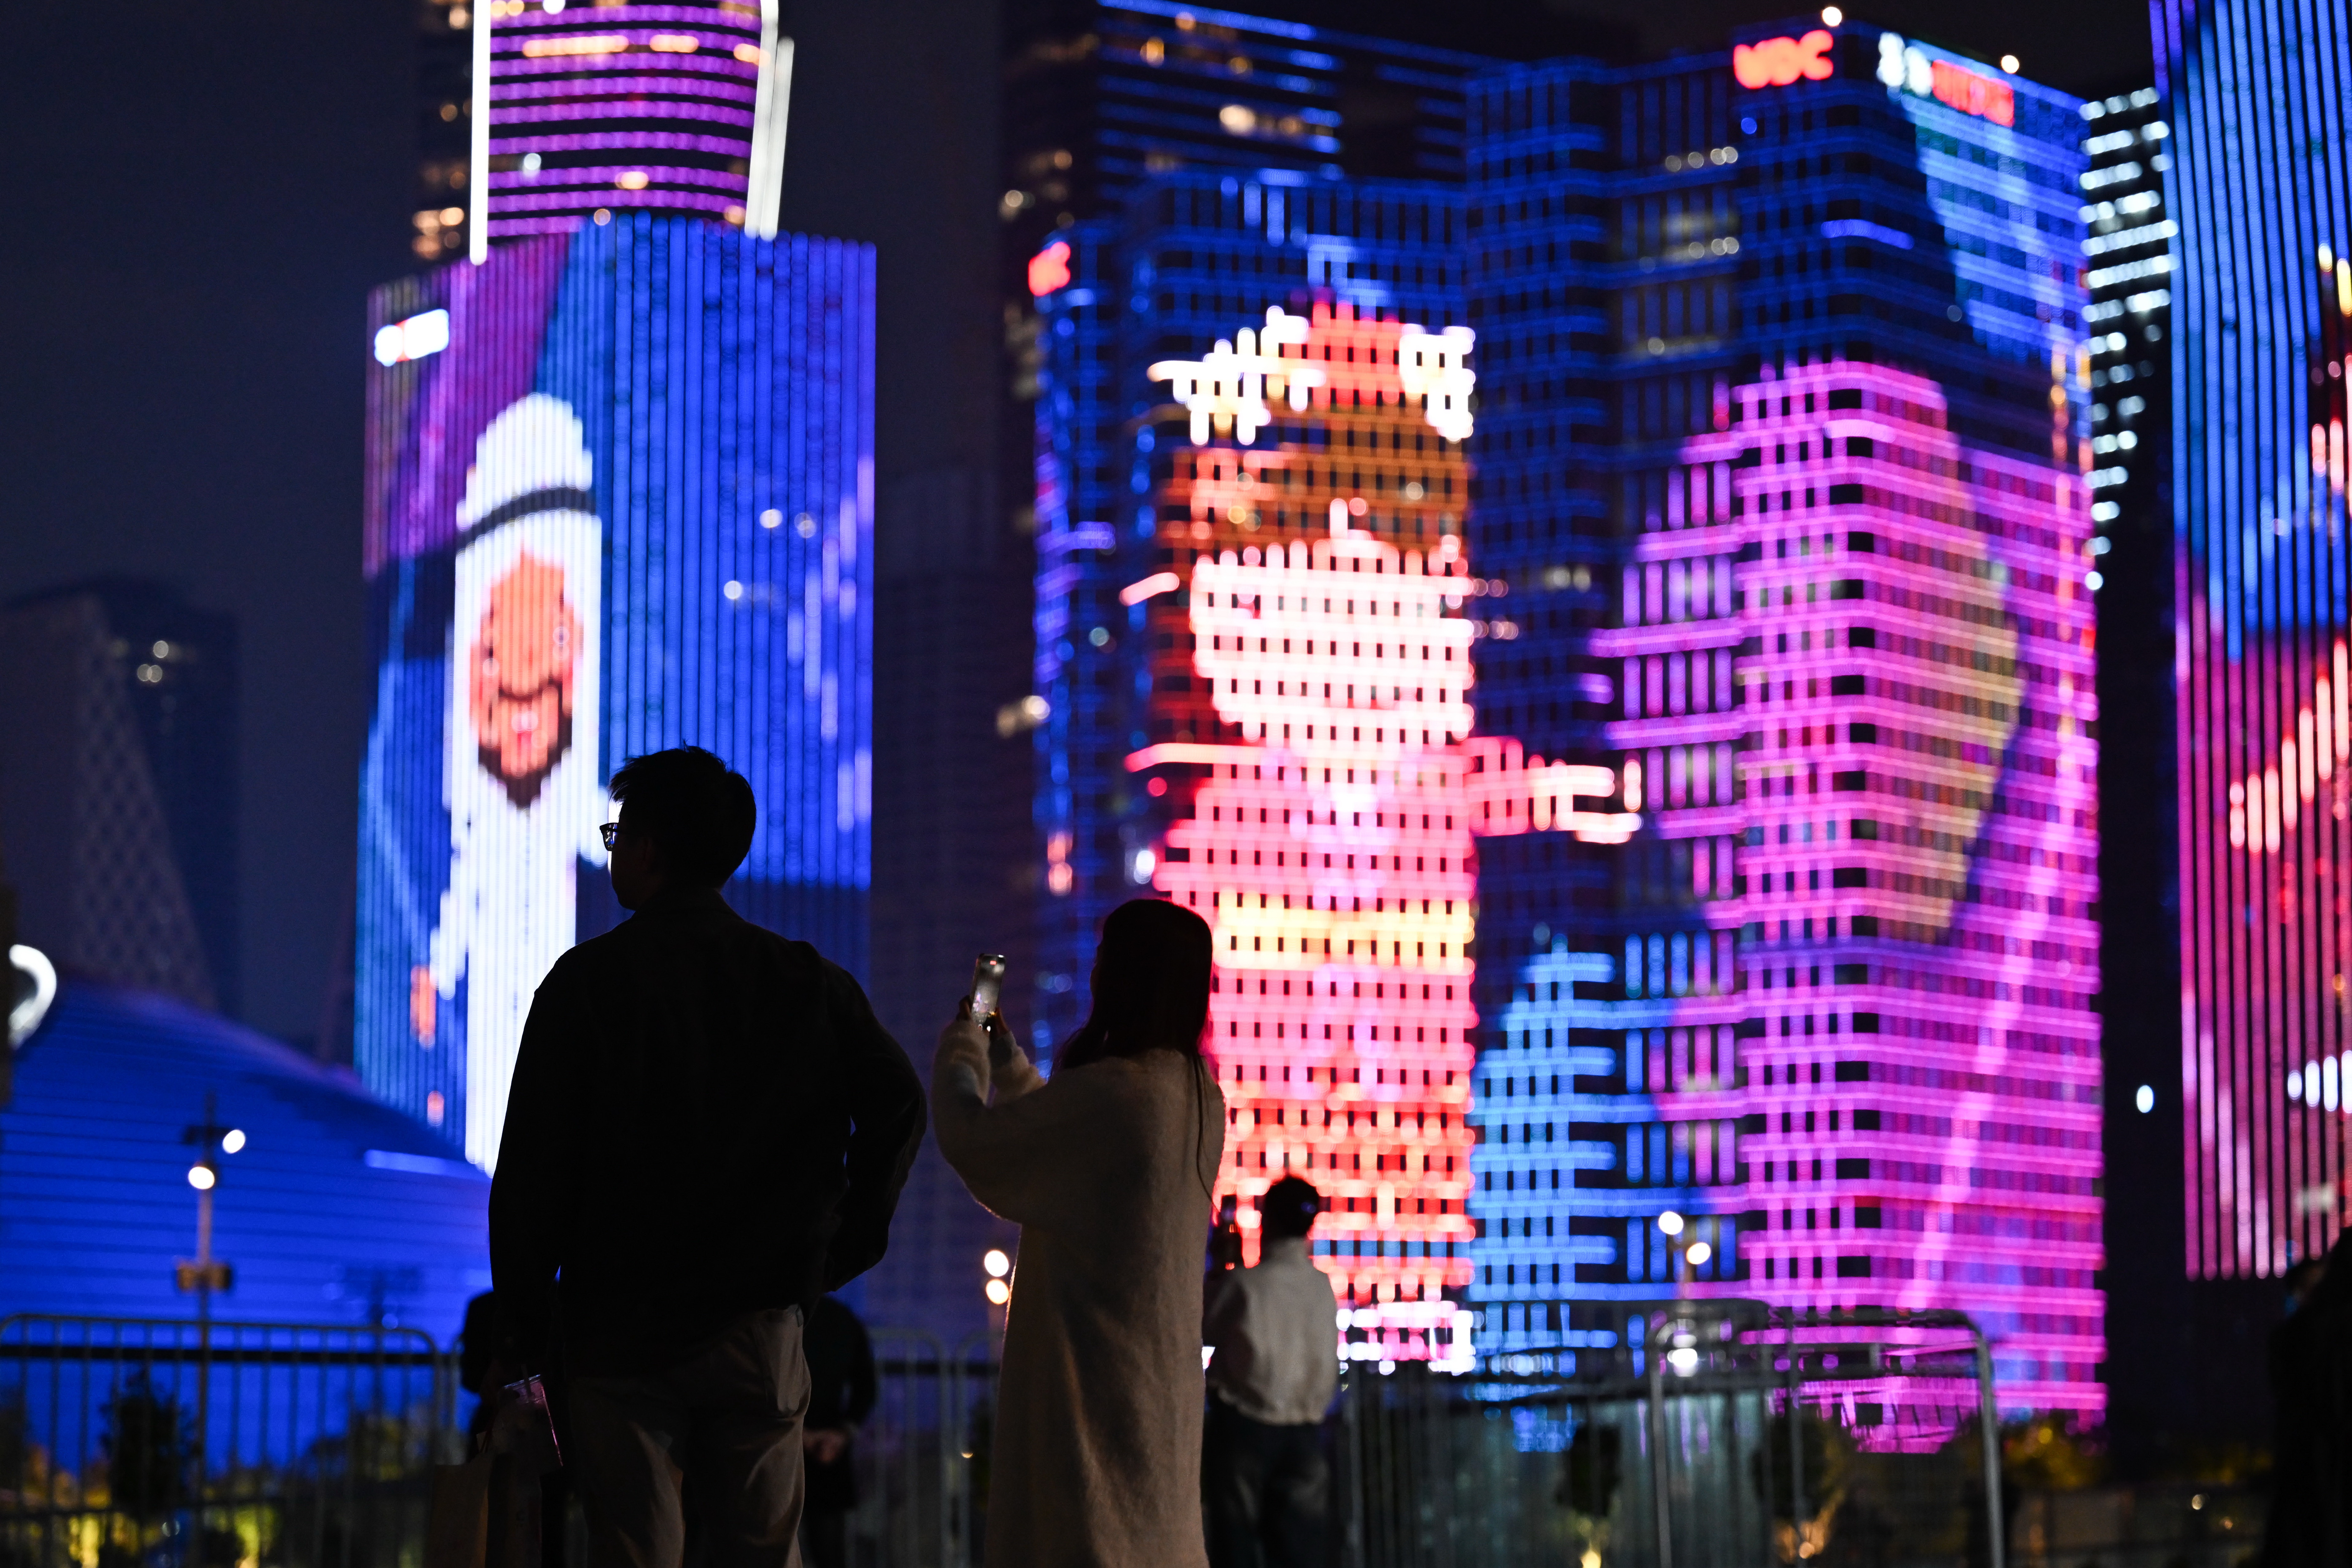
x=987, y=984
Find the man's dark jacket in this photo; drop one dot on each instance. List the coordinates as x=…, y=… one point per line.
x=705, y=1121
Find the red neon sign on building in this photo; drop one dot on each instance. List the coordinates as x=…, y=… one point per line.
x=1778, y=62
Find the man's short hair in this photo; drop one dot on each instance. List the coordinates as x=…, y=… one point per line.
x=1288, y=1209
x=699, y=813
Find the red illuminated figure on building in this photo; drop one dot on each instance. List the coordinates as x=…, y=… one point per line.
x=1311, y=640
x=520, y=672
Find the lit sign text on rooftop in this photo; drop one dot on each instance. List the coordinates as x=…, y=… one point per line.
x=1908, y=67
x=1777, y=62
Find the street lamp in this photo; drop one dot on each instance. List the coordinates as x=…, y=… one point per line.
x=1682, y=1241
x=203, y=1273
x=999, y=1289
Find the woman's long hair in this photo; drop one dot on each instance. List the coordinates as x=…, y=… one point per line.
x=1150, y=993
x=1150, y=985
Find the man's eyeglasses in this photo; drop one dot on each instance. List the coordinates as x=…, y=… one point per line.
x=612, y=832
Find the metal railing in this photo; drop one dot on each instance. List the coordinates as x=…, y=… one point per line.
x=1721, y=1435
x=148, y=1441
x=312, y=1446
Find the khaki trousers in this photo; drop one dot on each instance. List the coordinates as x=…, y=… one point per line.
x=725, y=1424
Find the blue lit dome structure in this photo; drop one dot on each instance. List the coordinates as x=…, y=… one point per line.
x=336, y=1209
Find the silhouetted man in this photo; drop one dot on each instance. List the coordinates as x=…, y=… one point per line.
x=1263, y=1472
x=706, y=1130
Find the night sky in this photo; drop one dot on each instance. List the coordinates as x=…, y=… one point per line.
x=200, y=193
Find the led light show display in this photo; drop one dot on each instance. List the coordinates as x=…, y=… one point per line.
x=674, y=109
x=2260, y=294
x=1289, y=719
x=624, y=503
x=1783, y=512
x=1329, y=844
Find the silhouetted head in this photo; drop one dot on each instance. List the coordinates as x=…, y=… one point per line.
x=686, y=821
x=1288, y=1209
x=1150, y=984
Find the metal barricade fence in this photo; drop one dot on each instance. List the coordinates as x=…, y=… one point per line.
x=133, y=1441
x=1722, y=1434
x=919, y=1452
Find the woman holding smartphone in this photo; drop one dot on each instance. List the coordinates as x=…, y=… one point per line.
x=1108, y=1170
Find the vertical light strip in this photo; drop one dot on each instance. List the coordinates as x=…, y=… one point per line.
x=2260, y=581
x=770, y=112
x=478, y=157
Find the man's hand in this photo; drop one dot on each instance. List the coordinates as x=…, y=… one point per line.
x=825, y=1445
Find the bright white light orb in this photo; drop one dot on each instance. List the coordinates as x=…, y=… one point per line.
x=1699, y=1253
x=201, y=1178
x=997, y=1264
x=1671, y=1223
x=232, y=1141
x=998, y=1292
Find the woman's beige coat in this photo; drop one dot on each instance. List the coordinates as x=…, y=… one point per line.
x=1096, y=1461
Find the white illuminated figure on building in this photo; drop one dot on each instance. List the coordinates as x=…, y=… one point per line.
x=522, y=785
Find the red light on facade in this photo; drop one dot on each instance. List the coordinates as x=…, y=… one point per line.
x=1050, y=270
x=1777, y=62
x=1972, y=94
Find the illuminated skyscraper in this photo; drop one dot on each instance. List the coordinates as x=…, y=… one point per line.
x=1773, y=773
x=2261, y=296
x=619, y=498
x=676, y=109
x=1257, y=684
x=2128, y=246
x=1783, y=462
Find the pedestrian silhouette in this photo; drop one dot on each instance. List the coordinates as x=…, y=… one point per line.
x=706, y=1130
x=1107, y=1167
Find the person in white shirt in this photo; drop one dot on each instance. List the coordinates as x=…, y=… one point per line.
x=1264, y=1474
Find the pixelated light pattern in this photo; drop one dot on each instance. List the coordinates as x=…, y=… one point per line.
x=567, y=567
x=661, y=108
x=1327, y=835
x=1833, y=1000
x=2262, y=604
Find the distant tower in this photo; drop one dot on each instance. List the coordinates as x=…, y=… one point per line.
x=677, y=111
x=84, y=819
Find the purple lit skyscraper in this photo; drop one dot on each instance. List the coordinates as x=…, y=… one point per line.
x=1783, y=464
x=674, y=110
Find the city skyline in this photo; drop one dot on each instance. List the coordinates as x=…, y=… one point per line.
x=1531, y=688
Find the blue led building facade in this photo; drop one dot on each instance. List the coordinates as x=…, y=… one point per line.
x=1782, y=460
x=620, y=498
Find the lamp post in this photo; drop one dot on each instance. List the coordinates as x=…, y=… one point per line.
x=998, y=1266
x=205, y=1274
x=1688, y=1250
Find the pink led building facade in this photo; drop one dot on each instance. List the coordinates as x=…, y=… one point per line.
x=1322, y=797
x=676, y=109
x=1918, y=870
x=1796, y=538
x=2264, y=713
